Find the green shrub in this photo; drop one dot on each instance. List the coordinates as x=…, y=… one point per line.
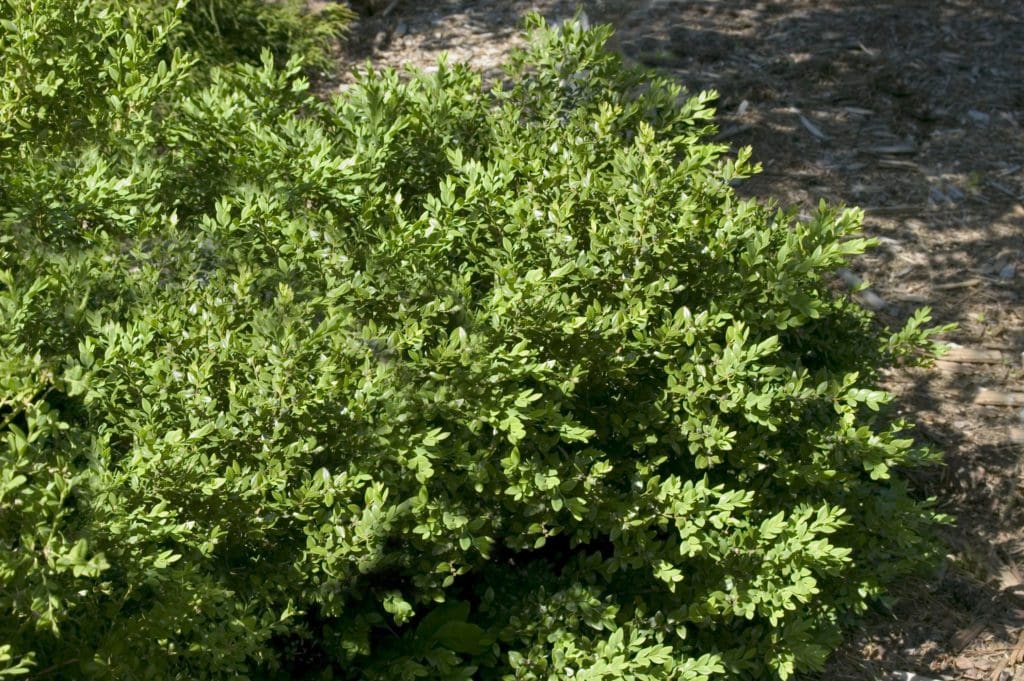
x=239, y=30
x=424, y=381
x=228, y=31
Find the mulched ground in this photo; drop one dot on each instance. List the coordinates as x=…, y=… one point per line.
x=913, y=110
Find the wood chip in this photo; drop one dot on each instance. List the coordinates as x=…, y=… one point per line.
x=1017, y=655
x=964, y=664
x=999, y=398
x=1016, y=435
x=1010, y=659
x=896, y=163
x=950, y=285
x=956, y=368
x=811, y=127
x=1010, y=577
x=964, y=637
x=871, y=52
x=892, y=149
x=959, y=353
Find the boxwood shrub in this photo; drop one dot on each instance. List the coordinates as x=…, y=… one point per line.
x=425, y=379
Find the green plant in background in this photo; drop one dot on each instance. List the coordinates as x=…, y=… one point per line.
x=422, y=381
x=225, y=31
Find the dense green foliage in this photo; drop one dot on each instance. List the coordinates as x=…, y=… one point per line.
x=240, y=30
x=423, y=381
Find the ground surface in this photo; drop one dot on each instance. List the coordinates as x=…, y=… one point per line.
x=913, y=110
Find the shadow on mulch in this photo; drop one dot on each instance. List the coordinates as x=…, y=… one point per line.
x=377, y=29
x=824, y=91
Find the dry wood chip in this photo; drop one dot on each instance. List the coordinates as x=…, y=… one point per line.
x=896, y=163
x=811, y=127
x=867, y=50
x=959, y=353
x=1016, y=435
x=999, y=398
x=956, y=368
x=1010, y=659
x=1009, y=577
x=949, y=286
x=1017, y=656
x=892, y=149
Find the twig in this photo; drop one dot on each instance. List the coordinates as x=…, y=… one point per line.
x=949, y=286
x=391, y=5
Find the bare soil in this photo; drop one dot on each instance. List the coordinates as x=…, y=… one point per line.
x=913, y=110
